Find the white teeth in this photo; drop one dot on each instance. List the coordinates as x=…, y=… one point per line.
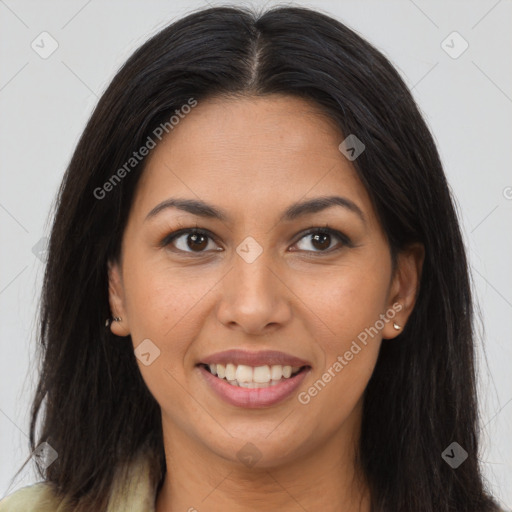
x=244, y=373
x=261, y=374
x=276, y=372
x=230, y=372
x=253, y=385
x=253, y=377
x=221, y=371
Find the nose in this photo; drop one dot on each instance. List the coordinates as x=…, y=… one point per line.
x=254, y=297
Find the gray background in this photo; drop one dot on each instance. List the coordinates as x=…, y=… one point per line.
x=45, y=103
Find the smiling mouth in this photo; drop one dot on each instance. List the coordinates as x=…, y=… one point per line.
x=252, y=377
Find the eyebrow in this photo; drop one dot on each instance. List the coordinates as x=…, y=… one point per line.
x=296, y=210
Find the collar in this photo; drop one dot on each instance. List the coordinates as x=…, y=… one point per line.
x=132, y=491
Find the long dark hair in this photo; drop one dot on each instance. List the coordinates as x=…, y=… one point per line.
x=96, y=410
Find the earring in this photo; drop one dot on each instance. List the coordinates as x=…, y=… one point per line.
x=396, y=326
x=114, y=319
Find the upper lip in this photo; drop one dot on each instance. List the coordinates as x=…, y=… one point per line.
x=260, y=358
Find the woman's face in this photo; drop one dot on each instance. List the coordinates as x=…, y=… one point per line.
x=255, y=280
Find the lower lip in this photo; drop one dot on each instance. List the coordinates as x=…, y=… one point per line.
x=256, y=397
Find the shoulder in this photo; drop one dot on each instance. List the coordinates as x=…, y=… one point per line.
x=38, y=497
x=133, y=488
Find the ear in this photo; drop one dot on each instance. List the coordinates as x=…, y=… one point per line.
x=116, y=299
x=404, y=288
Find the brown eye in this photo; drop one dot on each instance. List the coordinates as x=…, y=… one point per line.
x=321, y=240
x=197, y=241
x=189, y=240
x=194, y=240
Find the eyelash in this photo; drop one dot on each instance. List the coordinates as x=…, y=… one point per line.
x=345, y=240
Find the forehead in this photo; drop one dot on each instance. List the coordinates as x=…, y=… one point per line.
x=251, y=154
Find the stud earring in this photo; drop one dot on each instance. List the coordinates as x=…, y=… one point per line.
x=396, y=326
x=114, y=319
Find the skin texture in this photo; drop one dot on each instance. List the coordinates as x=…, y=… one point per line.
x=253, y=157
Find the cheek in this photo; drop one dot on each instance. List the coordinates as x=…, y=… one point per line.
x=166, y=305
x=347, y=300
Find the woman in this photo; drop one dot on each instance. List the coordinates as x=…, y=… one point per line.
x=259, y=211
